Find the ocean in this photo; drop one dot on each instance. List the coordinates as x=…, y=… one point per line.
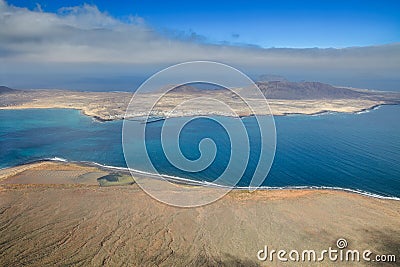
x=350, y=151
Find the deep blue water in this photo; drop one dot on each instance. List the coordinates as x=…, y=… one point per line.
x=355, y=151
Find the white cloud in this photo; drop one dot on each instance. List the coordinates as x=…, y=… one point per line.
x=85, y=35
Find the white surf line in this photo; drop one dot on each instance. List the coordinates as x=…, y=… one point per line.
x=211, y=184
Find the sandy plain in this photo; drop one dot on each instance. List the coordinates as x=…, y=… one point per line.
x=113, y=105
x=55, y=213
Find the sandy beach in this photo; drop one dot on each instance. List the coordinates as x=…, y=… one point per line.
x=55, y=213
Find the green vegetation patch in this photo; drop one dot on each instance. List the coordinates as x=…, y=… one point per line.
x=114, y=179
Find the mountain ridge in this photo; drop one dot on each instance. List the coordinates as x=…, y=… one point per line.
x=7, y=90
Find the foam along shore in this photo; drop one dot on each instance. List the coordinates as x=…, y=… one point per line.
x=113, y=172
x=57, y=213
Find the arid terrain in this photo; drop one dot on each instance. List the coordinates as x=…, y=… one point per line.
x=283, y=98
x=67, y=214
x=57, y=214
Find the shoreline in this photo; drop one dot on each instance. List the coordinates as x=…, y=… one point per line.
x=14, y=170
x=57, y=214
x=160, y=118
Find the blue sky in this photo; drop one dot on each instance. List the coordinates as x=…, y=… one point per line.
x=295, y=24
x=114, y=45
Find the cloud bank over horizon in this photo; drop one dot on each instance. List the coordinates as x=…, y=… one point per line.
x=40, y=49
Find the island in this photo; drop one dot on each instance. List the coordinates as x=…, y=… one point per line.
x=284, y=98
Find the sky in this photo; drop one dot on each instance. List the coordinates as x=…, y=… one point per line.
x=291, y=24
x=105, y=45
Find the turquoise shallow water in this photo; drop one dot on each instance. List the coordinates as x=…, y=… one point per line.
x=355, y=151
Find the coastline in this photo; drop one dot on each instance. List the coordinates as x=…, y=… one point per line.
x=11, y=171
x=92, y=220
x=160, y=118
x=92, y=225
x=186, y=181
x=110, y=106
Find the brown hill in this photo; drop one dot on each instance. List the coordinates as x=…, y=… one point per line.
x=306, y=90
